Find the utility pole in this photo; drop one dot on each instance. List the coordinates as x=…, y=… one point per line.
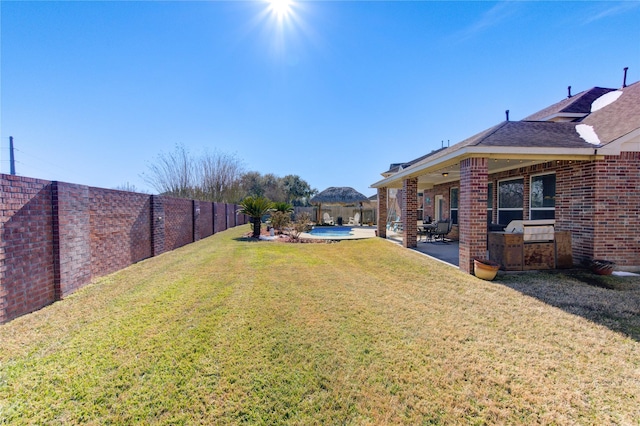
x=12, y=160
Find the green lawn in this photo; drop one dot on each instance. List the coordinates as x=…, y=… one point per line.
x=228, y=331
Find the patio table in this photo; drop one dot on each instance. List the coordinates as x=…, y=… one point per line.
x=427, y=230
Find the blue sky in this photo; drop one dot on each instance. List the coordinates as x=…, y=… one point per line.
x=334, y=91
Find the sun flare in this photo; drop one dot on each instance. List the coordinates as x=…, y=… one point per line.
x=280, y=8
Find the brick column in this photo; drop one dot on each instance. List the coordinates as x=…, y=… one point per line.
x=382, y=213
x=71, y=237
x=157, y=225
x=213, y=217
x=196, y=223
x=410, y=210
x=472, y=216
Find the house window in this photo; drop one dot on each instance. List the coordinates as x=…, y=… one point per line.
x=510, y=200
x=490, y=202
x=543, y=197
x=420, y=205
x=455, y=196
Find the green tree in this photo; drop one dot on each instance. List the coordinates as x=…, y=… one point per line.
x=298, y=190
x=252, y=184
x=291, y=188
x=255, y=208
x=273, y=188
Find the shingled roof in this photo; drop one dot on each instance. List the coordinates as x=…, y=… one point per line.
x=396, y=166
x=567, y=128
x=533, y=134
x=618, y=118
x=579, y=104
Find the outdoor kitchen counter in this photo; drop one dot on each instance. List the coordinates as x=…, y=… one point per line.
x=513, y=253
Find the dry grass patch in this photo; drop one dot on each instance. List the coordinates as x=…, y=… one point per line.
x=227, y=331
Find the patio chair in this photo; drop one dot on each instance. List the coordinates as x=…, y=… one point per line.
x=426, y=229
x=443, y=227
x=327, y=219
x=355, y=220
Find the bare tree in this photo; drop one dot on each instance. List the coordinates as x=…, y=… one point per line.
x=214, y=176
x=219, y=177
x=127, y=186
x=173, y=173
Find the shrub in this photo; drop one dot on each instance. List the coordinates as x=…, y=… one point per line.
x=280, y=220
x=302, y=224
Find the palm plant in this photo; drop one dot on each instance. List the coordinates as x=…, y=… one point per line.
x=282, y=207
x=255, y=208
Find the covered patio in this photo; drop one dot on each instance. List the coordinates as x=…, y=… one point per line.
x=447, y=251
x=574, y=165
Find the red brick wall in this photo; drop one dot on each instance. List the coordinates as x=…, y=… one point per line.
x=231, y=215
x=472, y=211
x=382, y=212
x=72, y=248
x=617, y=209
x=26, y=246
x=220, y=217
x=599, y=203
x=55, y=236
x=178, y=225
x=430, y=209
x=241, y=219
x=575, y=212
x=120, y=229
x=157, y=225
x=410, y=212
x=204, y=219
x=444, y=190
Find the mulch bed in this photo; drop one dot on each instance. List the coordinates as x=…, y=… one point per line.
x=285, y=238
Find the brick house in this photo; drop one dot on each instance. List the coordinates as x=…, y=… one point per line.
x=576, y=162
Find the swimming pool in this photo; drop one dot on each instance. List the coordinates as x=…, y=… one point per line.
x=331, y=231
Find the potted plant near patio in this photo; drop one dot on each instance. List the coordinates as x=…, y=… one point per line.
x=602, y=267
x=485, y=269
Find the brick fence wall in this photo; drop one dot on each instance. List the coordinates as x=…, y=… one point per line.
x=55, y=237
x=120, y=234
x=26, y=246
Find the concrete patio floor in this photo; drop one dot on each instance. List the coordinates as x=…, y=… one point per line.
x=444, y=251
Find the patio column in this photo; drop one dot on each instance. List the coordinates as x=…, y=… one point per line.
x=472, y=216
x=382, y=213
x=410, y=210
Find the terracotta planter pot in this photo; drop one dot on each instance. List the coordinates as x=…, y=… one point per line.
x=602, y=267
x=485, y=269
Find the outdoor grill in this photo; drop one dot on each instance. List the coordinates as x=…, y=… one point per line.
x=529, y=245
